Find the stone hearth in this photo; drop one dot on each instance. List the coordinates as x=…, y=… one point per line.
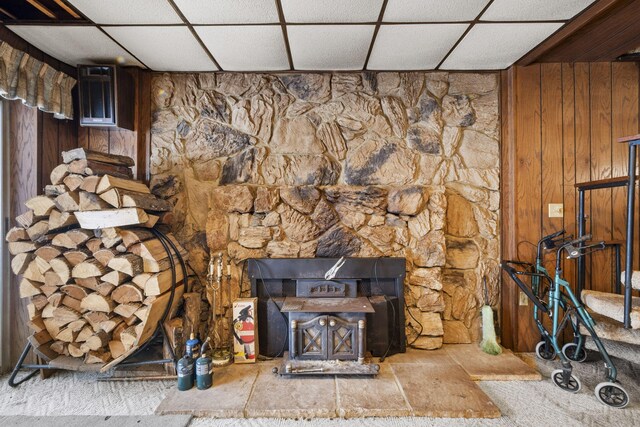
x=343, y=164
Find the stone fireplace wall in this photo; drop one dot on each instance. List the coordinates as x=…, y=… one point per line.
x=342, y=164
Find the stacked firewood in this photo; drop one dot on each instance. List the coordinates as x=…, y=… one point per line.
x=97, y=277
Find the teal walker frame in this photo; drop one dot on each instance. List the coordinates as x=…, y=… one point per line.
x=563, y=308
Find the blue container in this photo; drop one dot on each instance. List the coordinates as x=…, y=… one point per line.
x=193, y=347
x=204, y=372
x=185, y=373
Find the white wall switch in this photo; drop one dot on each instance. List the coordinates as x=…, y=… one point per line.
x=556, y=210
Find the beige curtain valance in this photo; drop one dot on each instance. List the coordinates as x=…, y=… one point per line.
x=35, y=83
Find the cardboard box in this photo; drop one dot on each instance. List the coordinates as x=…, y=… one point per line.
x=245, y=330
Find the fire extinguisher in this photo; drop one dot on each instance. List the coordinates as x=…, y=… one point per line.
x=204, y=370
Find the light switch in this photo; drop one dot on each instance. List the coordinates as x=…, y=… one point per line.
x=556, y=210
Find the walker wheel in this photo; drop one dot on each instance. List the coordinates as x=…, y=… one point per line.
x=611, y=394
x=545, y=351
x=572, y=386
x=569, y=350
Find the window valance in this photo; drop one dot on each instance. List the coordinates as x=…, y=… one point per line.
x=35, y=83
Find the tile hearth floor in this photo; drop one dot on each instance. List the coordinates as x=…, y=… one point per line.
x=417, y=383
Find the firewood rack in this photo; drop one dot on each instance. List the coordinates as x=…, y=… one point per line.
x=138, y=357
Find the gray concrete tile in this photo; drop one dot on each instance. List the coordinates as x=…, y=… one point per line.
x=371, y=397
x=227, y=397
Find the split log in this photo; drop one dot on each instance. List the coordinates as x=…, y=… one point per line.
x=65, y=315
x=90, y=183
x=60, y=348
x=52, y=325
x=43, y=266
x=141, y=279
x=17, y=234
x=68, y=202
x=55, y=299
x=92, y=202
x=64, y=240
x=91, y=283
x=40, y=205
x=127, y=293
x=105, y=255
x=72, y=303
x=128, y=199
x=129, y=264
x=33, y=272
x=16, y=248
x=83, y=154
x=115, y=277
x=77, y=256
x=96, y=341
x=62, y=267
x=28, y=218
x=67, y=335
x=97, y=357
x=116, y=348
x=95, y=318
x=59, y=173
x=97, y=302
x=128, y=337
x=73, y=181
x=54, y=190
x=105, y=288
x=111, y=218
x=132, y=236
x=38, y=230
x=40, y=338
x=80, y=236
x=20, y=262
x=110, y=324
x=47, y=252
x=29, y=288
x=36, y=324
x=74, y=291
x=94, y=245
x=84, y=334
x=151, y=222
x=127, y=309
x=59, y=220
x=77, y=325
x=92, y=167
x=161, y=282
x=74, y=349
x=110, y=182
x=154, y=250
x=89, y=268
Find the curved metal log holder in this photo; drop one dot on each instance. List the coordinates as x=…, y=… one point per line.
x=138, y=357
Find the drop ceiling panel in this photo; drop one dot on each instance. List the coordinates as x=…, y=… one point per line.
x=433, y=10
x=534, y=10
x=128, y=11
x=318, y=11
x=413, y=46
x=164, y=48
x=257, y=48
x=329, y=47
x=497, y=46
x=229, y=11
x=74, y=44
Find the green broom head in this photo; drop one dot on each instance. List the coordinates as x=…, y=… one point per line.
x=489, y=344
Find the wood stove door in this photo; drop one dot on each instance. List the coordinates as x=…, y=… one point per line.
x=342, y=339
x=310, y=339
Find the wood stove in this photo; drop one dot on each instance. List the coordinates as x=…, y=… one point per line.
x=329, y=325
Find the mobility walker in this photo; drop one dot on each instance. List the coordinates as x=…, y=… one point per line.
x=556, y=297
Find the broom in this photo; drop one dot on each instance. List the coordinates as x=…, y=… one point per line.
x=489, y=344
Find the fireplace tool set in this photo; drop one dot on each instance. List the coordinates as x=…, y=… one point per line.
x=220, y=347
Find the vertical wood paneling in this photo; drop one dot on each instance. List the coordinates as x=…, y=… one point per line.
x=23, y=144
x=528, y=180
x=563, y=125
x=50, y=147
x=99, y=139
x=600, y=213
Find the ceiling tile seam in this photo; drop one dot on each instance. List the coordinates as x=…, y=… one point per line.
x=375, y=34
x=464, y=34
x=195, y=34
x=123, y=48
x=285, y=34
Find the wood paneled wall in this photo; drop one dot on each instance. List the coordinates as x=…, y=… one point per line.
x=135, y=144
x=560, y=123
